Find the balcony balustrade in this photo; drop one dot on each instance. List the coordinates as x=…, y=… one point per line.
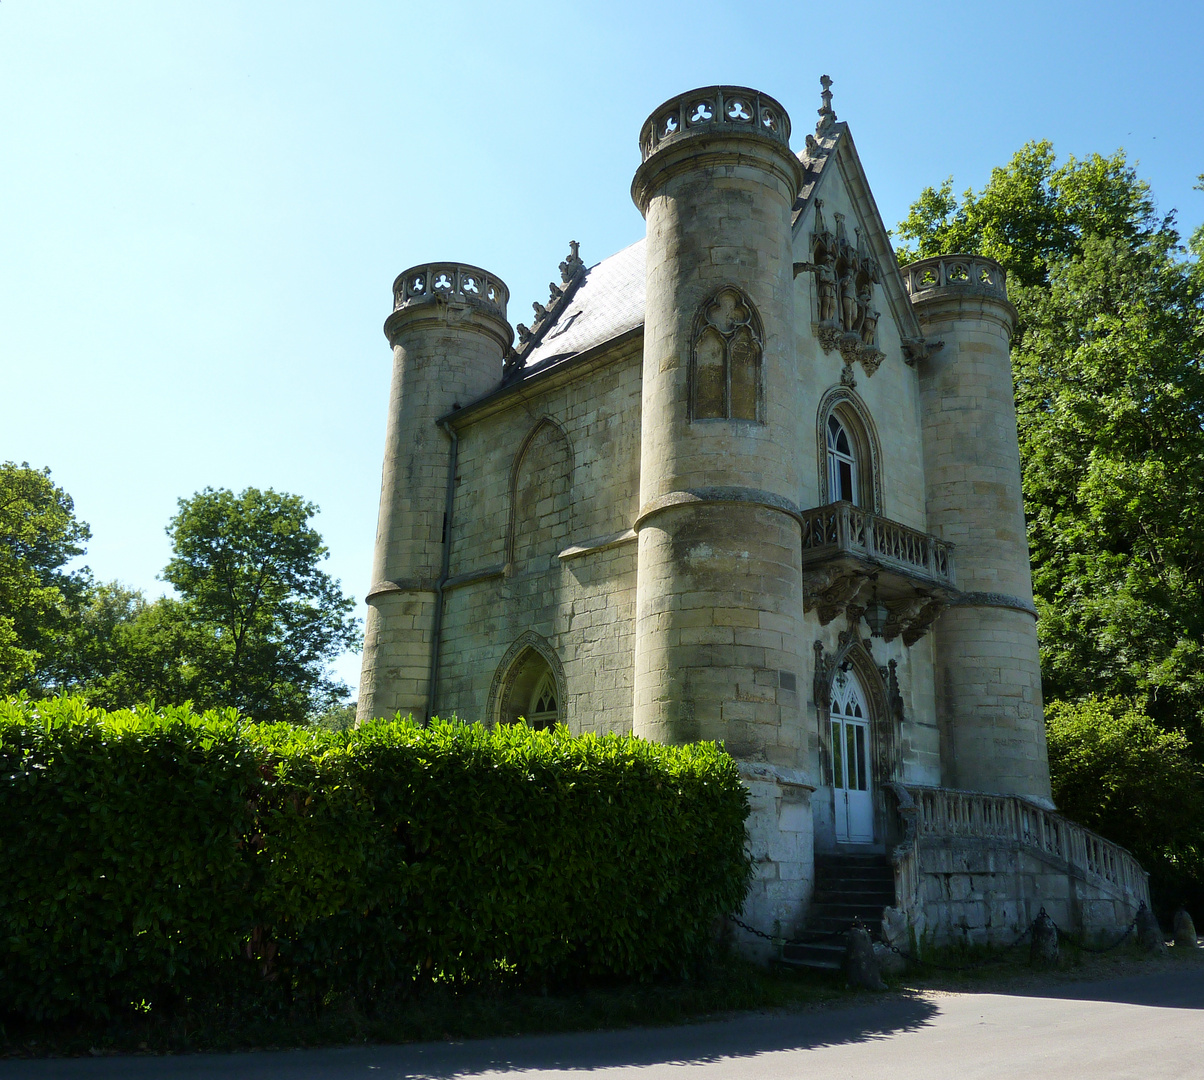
x=854, y=559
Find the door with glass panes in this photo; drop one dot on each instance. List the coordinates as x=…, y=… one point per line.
x=851, y=783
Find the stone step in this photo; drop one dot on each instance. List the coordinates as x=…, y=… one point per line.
x=855, y=888
x=851, y=908
x=816, y=955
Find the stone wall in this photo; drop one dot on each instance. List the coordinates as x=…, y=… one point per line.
x=977, y=868
x=546, y=492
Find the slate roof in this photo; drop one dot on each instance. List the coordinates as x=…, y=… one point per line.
x=608, y=301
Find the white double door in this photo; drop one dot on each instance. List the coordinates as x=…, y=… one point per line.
x=854, y=800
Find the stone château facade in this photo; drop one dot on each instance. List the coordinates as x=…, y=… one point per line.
x=745, y=480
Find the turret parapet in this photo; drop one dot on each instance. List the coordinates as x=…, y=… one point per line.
x=711, y=110
x=954, y=276
x=450, y=282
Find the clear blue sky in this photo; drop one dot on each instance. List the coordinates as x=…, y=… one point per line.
x=203, y=205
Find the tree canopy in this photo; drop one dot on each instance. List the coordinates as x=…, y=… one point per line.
x=263, y=616
x=253, y=625
x=39, y=535
x=1107, y=362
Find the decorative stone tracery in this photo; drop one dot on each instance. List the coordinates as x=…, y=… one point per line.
x=725, y=360
x=884, y=700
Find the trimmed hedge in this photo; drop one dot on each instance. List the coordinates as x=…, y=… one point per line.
x=152, y=855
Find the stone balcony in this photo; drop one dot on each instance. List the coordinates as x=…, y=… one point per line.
x=855, y=561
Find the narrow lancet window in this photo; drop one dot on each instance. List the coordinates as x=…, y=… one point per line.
x=842, y=463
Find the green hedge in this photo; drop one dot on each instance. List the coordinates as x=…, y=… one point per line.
x=148, y=855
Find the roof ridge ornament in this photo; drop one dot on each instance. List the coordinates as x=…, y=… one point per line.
x=827, y=116
x=572, y=264
x=572, y=271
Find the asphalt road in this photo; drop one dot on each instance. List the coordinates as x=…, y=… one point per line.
x=1146, y=1027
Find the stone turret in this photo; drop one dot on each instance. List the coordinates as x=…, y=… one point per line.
x=449, y=335
x=719, y=586
x=988, y=673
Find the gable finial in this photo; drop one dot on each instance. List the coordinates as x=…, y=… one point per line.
x=827, y=117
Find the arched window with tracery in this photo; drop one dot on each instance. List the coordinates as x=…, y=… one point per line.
x=528, y=686
x=725, y=370
x=849, y=454
x=542, y=711
x=842, y=463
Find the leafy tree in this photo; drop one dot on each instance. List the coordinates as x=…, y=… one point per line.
x=39, y=535
x=257, y=620
x=120, y=650
x=1108, y=364
x=1119, y=772
x=1034, y=213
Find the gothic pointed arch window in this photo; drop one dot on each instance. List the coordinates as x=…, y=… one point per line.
x=849, y=453
x=725, y=355
x=528, y=686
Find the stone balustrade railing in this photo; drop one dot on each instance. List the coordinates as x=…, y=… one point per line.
x=714, y=109
x=841, y=528
x=452, y=282
x=943, y=813
x=955, y=273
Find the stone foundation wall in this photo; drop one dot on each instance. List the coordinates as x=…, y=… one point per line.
x=780, y=841
x=979, y=893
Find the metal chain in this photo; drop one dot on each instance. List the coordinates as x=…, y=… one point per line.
x=1064, y=936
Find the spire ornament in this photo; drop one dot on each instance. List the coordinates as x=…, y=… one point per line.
x=827, y=117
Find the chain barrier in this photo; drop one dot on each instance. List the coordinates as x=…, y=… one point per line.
x=1064, y=936
x=818, y=936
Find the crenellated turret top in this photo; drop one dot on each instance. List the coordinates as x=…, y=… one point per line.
x=456, y=283
x=714, y=110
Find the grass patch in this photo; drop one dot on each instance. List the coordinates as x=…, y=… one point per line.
x=440, y=1012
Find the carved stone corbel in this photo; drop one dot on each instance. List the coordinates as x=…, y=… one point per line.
x=922, y=622
x=830, y=590
x=917, y=349
x=902, y=613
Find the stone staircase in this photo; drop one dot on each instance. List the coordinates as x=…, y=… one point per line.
x=848, y=888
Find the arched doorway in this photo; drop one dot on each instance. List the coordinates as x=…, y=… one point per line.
x=852, y=775
x=528, y=688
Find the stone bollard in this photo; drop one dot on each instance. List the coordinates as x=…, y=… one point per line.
x=1185, y=930
x=860, y=965
x=1149, y=933
x=1043, y=952
x=888, y=960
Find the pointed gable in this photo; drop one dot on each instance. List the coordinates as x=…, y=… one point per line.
x=832, y=152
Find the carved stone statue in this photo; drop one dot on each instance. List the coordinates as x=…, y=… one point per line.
x=573, y=264
x=869, y=327
x=865, y=294
x=848, y=301
x=825, y=281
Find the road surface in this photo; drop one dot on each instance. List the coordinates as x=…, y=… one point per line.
x=1146, y=1027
